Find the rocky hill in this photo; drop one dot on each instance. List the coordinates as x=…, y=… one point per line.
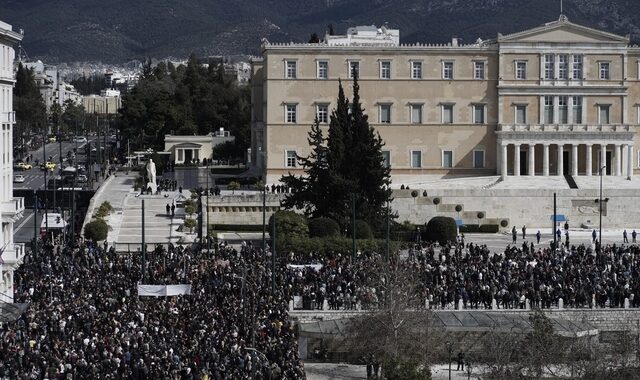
x=117, y=30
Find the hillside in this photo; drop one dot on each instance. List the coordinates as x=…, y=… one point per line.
x=116, y=31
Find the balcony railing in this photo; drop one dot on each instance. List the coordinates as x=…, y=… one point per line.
x=7, y=117
x=12, y=207
x=564, y=128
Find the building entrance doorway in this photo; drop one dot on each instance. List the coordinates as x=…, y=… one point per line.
x=524, y=167
x=566, y=157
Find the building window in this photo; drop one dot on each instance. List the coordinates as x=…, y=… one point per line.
x=354, y=69
x=416, y=158
x=478, y=159
x=447, y=159
x=478, y=114
x=577, y=67
x=563, y=66
x=521, y=70
x=322, y=113
x=291, y=159
x=478, y=70
x=290, y=113
x=385, y=113
x=577, y=109
x=416, y=70
x=291, y=69
x=521, y=114
x=604, y=71
x=385, y=70
x=604, y=113
x=548, y=109
x=563, y=110
x=447, y=113
x=548, y=66
x=386, y=158
x=416, y=114
x=447, y=70
x=323, y=70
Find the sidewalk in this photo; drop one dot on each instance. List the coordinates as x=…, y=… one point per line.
x=125, y=222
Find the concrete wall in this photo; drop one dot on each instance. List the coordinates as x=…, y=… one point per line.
x=243, y=209
x=531, y=207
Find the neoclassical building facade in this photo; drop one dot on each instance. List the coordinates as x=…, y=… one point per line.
x=558, y=99
x=11, y=208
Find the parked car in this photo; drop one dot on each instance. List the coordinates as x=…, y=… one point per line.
x=18, y=178
x=80, y=139
x=82, y=178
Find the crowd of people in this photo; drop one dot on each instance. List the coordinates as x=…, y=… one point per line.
x=85, y=319
x=471, y=276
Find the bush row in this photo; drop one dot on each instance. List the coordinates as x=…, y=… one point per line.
x=484, y=228
x=334, y=244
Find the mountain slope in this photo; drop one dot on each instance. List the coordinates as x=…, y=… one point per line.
x=118, y=30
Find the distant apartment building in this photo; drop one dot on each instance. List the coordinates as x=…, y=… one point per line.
x=108, y=102
x=52, y=88
x=11, y=208
x=558, y=99
x=187, y=149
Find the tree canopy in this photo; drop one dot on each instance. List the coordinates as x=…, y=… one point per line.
x=27, y=101
x=342, y=168
x=186, y=100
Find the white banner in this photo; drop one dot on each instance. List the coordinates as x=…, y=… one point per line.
x=315, y=267
x=163, y=290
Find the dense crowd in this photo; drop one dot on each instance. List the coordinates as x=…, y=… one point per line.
x=472, y=276
x=86, y=321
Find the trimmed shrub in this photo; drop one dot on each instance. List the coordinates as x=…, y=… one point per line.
x=289, y=225
x=414, y=193
x=504, y=223
x=237, y=227
x=481, y=215
x=190, y=223
x=441, y=229
x=436, y=201
x=424, y=193
x=363, y=230
x=458, y=208
x=96, y=230
x=323, y=227
x=233, y=186
x=489, y=228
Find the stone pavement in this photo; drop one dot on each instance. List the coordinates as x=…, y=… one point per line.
x=125, y=222
x=331, y=371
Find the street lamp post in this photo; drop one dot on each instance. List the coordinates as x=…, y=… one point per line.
x=449, y=351
x=600, y=202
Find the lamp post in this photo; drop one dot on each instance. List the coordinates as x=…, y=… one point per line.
x=449, y=351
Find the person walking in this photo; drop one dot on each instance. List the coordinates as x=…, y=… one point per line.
x=168, y=208
x=173, y=210
x=538, y=236
x=514, y=234
x=625, y=239
x=524, y=232
x=594, y=234
x=460, y=361
x=634, y=234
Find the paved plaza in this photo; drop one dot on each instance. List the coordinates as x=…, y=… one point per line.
x=342, y=371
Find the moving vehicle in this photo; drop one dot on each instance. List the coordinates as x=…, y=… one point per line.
x=52, y=139
x=80, y=139
x=18, y=178
x=24, y=166
x=48, y=166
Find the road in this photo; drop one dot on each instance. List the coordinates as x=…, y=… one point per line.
x=34, y=178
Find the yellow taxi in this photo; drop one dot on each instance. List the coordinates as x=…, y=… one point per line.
x=24, y=166
x=52, y=139
x=48, y=165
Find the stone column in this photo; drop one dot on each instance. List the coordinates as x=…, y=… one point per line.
x=625, y=156
x=618, y=159
x=574, y=160
x=560, y=159
x=589, y=159
x=545, y=160
x=630, y=162
x=516, y=160
x=532, y=159
x=503, y=161
x=603, y=158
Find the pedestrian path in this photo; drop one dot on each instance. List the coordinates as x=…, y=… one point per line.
x=125, y=222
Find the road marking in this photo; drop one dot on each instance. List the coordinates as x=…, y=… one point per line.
x=23, y=222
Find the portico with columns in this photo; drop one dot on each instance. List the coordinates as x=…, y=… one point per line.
x=552, y=150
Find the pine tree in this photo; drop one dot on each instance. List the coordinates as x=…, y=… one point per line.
x=314, y=39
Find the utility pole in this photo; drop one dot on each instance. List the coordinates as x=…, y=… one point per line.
x=387, y=246
x=553, y=223
x=264, y=217
x=46, y=192
x=273, y=257
x=35, y=223
x=353, y=226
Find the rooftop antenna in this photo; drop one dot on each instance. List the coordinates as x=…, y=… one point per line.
x=561, y=10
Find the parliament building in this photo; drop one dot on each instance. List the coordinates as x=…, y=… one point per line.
x=559, y=99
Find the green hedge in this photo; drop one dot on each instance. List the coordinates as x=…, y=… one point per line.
x=96, y=230
x=363, y=230
x=484, y=228
x=323, y=227
x=229, y=170
x=441, y=229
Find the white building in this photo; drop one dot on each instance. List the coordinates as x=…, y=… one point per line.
x=365, y=35
x=52, y=88
x=10, y=208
